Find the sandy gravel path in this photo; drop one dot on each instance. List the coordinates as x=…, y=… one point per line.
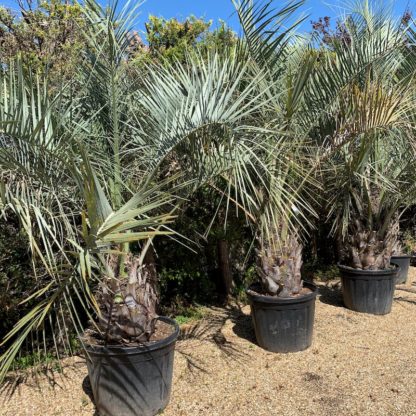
x=358, y=365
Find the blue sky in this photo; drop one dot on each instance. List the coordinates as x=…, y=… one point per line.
x=223, y=9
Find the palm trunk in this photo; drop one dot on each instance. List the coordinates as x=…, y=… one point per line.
x=129, y=299
x=279, y=265
x=151, y=295
x=369, y=249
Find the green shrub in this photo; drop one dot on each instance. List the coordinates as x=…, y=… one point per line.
x=33, y=359
x=193, y=313
x=319, y=271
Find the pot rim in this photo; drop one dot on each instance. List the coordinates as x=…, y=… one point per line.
x=383, y=272
x=115, y=349
x=283, y=301
x=402, y=256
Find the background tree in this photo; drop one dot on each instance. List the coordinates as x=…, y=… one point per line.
x=172, y=40
x=48, y=36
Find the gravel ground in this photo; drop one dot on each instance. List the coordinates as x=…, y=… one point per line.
x=358, y=365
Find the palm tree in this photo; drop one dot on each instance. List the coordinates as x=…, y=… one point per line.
x=368, y=131
x=73, y=230
x=285, y=211
x=87, y=170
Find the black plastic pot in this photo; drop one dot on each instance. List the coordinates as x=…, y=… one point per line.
x=132, y=381
x=283, y=324
x=368, y=291
x=403, y=262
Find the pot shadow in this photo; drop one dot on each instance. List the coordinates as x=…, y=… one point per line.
x=86, y=387
x=243, y=324
x=331, y=295
x=403, y=288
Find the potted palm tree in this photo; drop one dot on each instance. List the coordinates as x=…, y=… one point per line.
x=368, y=159
x=282, y=304
x=84, y=244
x=378, y=190
x=128, y=340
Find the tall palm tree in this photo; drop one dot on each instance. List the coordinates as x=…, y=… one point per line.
x=273, y=49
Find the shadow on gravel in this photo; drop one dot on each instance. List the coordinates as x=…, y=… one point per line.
x=53, y=374
x=11, y=385
x=86, y=386
x=331, y=295
x=403, y=290
x=209, y=330
x=407, y=289
x=402, y=299
x=243, y=325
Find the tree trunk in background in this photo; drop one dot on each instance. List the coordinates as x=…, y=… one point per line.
x=339, y=249
x=225, y=267
x=152, y=286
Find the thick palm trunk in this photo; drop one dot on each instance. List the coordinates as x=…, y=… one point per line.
x=129, y=304
x=370, y=249
x=279, y=266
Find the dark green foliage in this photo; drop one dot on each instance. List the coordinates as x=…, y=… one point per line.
x=190, y=274
x=319, y=271
x=187, y=283
x=16, y=275
x=17, y=283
